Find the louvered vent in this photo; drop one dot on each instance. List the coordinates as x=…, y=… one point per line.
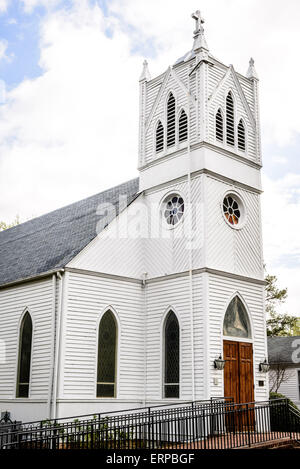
x=241, y=136
x=183, y=126
x=171, y=121
x=229, y=119
x=219, y=126
x=159, y=137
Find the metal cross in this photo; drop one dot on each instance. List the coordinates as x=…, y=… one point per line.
x=198, y=18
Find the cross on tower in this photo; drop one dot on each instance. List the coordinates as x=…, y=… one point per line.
x=199, y=19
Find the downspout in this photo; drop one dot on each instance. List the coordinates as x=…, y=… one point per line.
x=53, y=321
x=57, y=348
x=190, y=242
x=145, y=336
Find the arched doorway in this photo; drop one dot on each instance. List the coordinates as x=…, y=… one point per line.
x=238, y=353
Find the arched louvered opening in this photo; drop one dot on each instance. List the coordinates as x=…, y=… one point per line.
x=183, y=126
x=171, y=121
x=230, y=119
x=159, y=137
x=236, y=320
x=219, y=126
x=172, y=357
x=24, y=356
x=107, y=356
x=241, y=136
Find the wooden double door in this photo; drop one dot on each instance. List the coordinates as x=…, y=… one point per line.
x=238, y=372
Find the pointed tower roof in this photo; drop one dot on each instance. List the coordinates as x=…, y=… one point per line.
x=251, y=73
x=199, y=38
x=145, y=73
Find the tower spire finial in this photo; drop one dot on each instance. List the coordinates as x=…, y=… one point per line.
x=145, y=73
x=199, y=38
x=252, y=73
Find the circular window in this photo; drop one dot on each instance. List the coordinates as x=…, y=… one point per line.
x=233, y=210
x=173, y=209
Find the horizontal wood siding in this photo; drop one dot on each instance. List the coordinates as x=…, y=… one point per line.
x=162, y=297
x=37, y=297
x=87, y=298
x=221, y=290
x=290, y=388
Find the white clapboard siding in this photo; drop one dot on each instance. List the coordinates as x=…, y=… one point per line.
x=163, y=296
x=221, y=290
x=87, y=298
x=217, y=99
x=291, y=387
x=37, y=297
x=228, y=249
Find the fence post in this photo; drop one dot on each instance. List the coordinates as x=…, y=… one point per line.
x=248, y=424
x=288, y=419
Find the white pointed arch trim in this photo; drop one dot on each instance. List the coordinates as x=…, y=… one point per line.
x=154, y=129
x=238, y=339
x=118, y=347
x=216, y=109
x=169, y=309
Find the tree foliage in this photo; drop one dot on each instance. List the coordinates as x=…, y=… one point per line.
x=6, y=226
x=278, y=324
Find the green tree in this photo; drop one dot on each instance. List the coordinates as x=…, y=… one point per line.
x=6, y=226
x=278, y=324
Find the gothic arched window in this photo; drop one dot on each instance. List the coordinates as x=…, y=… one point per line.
x=241, y=136
x=171, y=121
x=107, y=355
x=183, y=126
x=219, y=126
x=159, y=137
x=236, y=321
x=25, y=342
x=230, y=119
x=172, y=357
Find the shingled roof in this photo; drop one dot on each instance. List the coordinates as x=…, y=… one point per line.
x=280, y=349
x=51, y=241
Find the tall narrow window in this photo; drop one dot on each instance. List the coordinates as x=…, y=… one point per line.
x=24, y=356
x=183, y=126
x=219, y=126
x=107, y=354
x=159, y=137
x=171, y=121
x=229, y=119
x=241, y=136
x=171, y=384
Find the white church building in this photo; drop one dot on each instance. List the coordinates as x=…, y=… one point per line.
x=127, y=298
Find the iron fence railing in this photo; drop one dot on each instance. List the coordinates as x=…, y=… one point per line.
x=214, y=424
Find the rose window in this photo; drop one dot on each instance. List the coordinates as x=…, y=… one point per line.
x=232, y=210
x=173, y=209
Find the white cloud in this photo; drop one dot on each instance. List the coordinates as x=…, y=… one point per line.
x=3, y=48
x=3, y=5
x=73, y=131
x=281, y=228
x=29, y=5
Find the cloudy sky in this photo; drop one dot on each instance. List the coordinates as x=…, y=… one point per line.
x=69, y=100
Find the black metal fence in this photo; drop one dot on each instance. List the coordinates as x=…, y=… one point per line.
x=214, y=424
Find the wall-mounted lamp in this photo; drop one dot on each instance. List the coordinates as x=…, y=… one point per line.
x=264, y=366
x=219, y=363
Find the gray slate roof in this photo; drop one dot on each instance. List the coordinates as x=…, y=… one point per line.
x=51, y=241
x=280, y=349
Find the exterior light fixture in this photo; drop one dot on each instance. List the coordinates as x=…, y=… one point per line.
x=264, y=366
x=219, y=363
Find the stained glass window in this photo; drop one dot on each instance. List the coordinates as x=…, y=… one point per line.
x=24, y=356
x=106, y=373
x=171, y=385
x=232, y=209
x=173, y=209
x=236, y=321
